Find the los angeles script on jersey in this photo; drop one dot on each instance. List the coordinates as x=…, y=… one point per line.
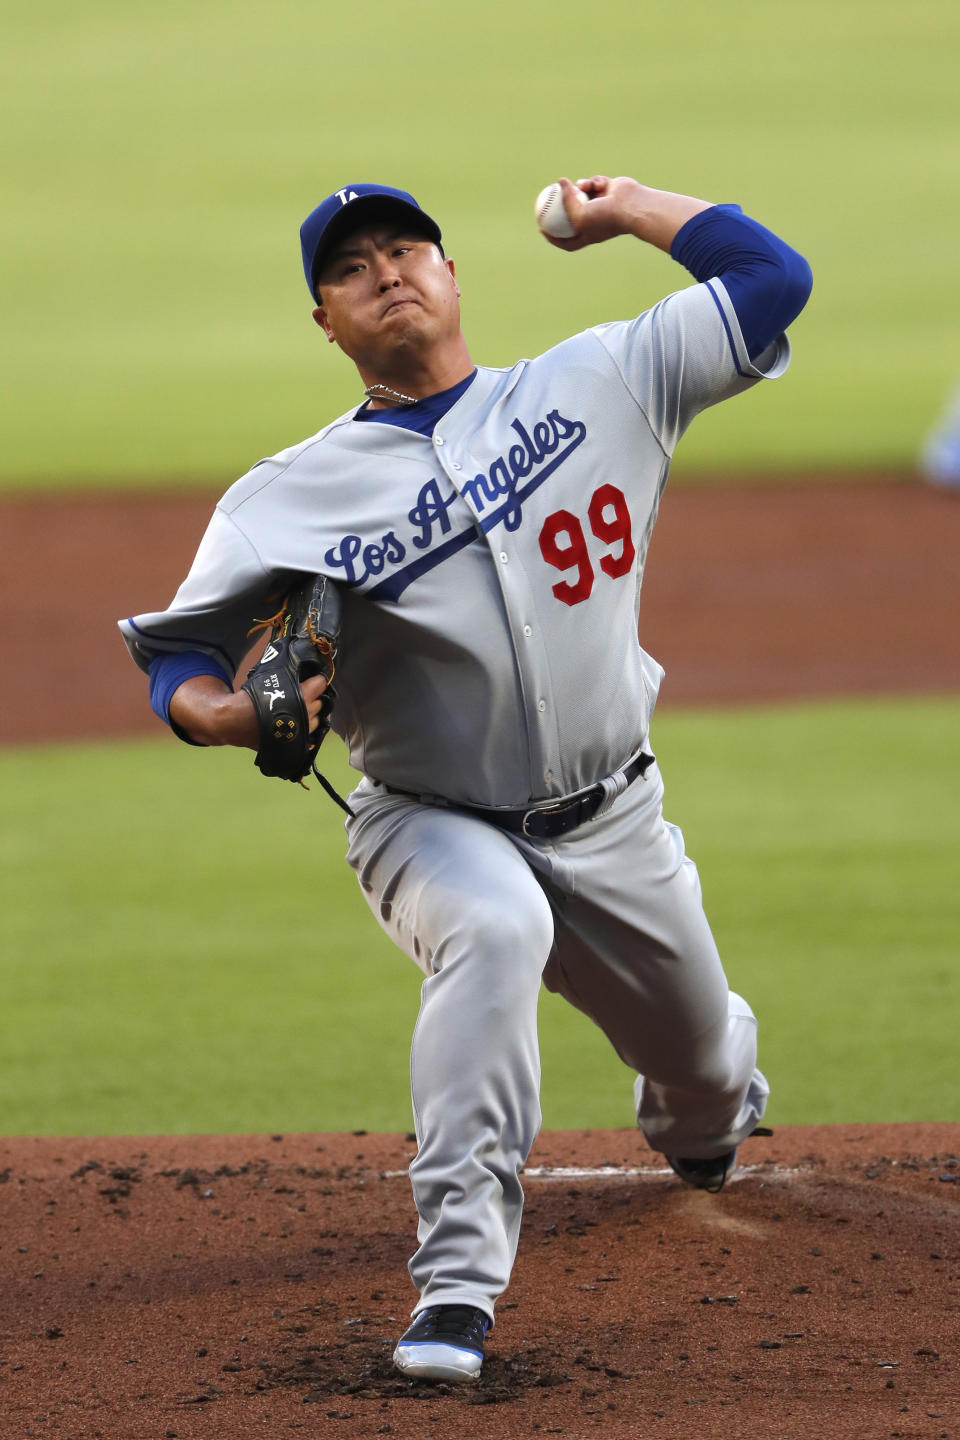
x=496, y=496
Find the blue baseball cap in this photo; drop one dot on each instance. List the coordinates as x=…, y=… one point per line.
x=346, y=209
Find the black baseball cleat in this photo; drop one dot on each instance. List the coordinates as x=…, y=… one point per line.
x=710, y=1175
x=445, y=1342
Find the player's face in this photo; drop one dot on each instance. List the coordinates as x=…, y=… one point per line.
x=384, y=289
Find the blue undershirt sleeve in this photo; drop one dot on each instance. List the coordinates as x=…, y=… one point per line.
x=167, y=674
x=767, y=281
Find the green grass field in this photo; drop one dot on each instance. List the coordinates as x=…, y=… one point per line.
x=158, y=161
x=167, y=967
x=185, y=950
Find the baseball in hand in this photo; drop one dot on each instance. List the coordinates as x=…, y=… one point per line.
x=551, y=214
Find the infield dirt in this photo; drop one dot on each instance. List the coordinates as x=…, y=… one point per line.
x=253, y=1287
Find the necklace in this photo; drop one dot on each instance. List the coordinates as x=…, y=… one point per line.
x=384, y=392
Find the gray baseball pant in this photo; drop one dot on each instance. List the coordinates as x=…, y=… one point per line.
x=610, y=917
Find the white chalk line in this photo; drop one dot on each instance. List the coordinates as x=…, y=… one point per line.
x=627, y=1172
x=632, y=1172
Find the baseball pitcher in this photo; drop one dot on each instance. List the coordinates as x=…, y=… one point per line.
x=481, y=535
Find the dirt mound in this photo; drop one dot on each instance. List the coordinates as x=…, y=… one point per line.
x=251, y=1286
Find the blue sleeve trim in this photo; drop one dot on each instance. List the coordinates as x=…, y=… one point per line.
x=767, y=281
x=726, y=325
x=167, y=674
x=174, y=639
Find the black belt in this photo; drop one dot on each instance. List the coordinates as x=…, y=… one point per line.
x=547, y=822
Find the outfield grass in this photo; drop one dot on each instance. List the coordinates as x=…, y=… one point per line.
x=186, y=952
x=158, y=161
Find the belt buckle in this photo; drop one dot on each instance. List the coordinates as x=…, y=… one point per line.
x=558, y=807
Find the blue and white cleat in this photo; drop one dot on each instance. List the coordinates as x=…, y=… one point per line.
x=445, y=1342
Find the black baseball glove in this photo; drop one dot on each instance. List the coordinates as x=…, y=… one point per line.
x=303, y=639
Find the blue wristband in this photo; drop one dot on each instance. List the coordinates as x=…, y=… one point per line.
x=168, y=672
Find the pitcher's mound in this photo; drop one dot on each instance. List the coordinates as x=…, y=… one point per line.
x=247, y=1287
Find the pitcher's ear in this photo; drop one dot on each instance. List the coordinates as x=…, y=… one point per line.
x=320, y=318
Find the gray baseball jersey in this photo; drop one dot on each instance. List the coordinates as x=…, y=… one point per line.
x=492, y=571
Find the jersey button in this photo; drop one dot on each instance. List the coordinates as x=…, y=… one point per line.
x=438, y=439
x=457, y=465
x=527, y=630
x=503, y=557
x=548, y=776
x=541, y=706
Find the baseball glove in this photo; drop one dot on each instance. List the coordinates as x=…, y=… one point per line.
x=303, y=639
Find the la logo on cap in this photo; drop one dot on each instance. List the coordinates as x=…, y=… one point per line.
x=323, y=225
